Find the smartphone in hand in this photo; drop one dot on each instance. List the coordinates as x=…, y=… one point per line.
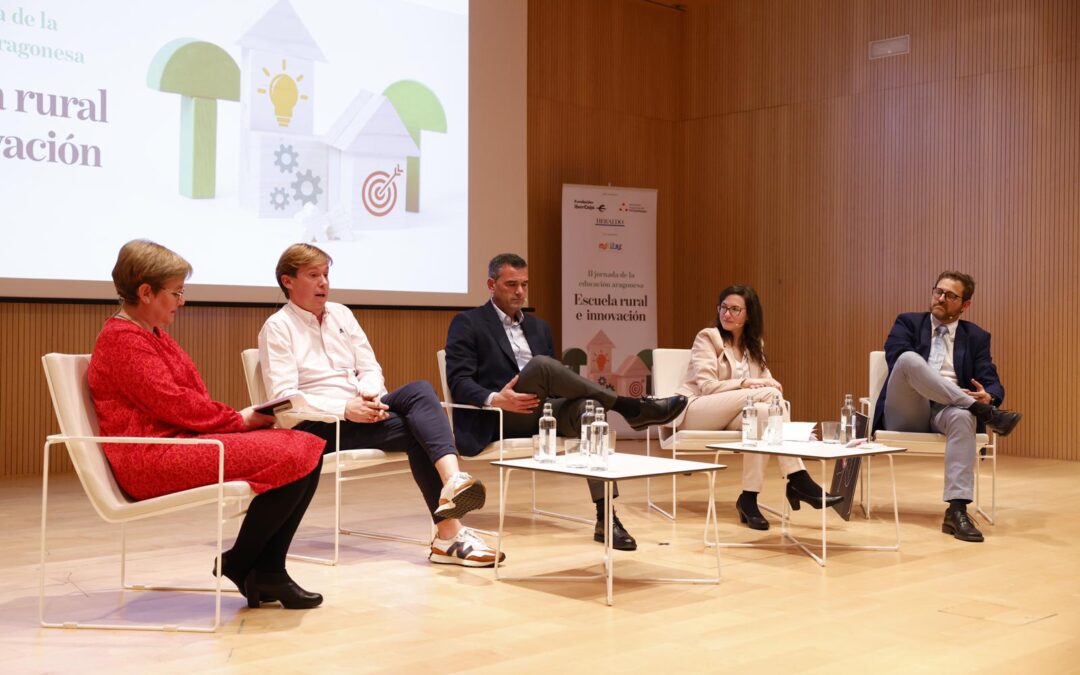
x=277, y=405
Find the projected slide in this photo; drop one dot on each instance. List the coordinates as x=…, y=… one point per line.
x=228, y=130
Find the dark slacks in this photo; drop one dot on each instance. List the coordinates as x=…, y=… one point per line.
x=417, y=425
x=270, y=524
x=566, y=391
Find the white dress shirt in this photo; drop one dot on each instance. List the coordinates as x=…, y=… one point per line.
x=948, y=369
x=516, y=334
x=329, y=363
x=518, y=344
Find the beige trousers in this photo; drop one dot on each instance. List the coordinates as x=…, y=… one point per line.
x=723, y=410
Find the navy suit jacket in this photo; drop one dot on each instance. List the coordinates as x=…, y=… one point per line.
x=479, y=361
x=971, y=356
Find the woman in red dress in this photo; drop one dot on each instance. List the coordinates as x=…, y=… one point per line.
x=144, y=384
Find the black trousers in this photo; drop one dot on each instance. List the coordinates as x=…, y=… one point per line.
x=270, y=524
x=417, y=425
x=566, y=391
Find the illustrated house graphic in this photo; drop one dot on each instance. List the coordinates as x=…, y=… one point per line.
x=631, y=377
x=283, y=165
x=599, y=349
x=277, y=68
x=355, y=174
x=369, y=145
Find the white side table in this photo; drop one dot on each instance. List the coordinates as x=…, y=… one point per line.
x=821, y=452
x=621, y=467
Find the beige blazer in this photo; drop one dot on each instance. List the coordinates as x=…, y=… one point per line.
x=712, y=364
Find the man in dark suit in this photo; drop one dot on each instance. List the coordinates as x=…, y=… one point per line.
x=496, y=355
x=943, y=379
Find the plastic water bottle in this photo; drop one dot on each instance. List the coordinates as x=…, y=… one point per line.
x=749, y=424
x=545, y=449
x=847, y=420
x=774, y=433
x=580, y=459
x=598, y=442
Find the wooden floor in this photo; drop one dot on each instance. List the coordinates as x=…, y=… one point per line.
x=1009, y=605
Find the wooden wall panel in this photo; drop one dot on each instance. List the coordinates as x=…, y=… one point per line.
x=933, y=27
x=750, y=54
x=841, y=206
x=616, y=55
x=605, y=100
x=1004, y=34
x=27, y=331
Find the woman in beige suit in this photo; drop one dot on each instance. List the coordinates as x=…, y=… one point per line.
x=727, y=365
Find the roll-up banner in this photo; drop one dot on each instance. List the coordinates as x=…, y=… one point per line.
x=609, y=288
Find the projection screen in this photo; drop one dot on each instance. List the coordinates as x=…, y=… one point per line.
x=391, y=133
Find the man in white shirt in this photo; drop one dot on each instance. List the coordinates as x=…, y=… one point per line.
x=316, y=348
x=934, y=358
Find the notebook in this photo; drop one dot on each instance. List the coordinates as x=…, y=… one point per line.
x=846, y=472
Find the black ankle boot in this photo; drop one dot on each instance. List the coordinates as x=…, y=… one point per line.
x=227, y=571
x=621, y=540
x=262, y=587
x=749, y=513
x=801, y=487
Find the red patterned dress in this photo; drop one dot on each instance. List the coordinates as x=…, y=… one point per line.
x=144, y=384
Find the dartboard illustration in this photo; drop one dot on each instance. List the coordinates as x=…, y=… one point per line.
x=636, y=389
x=379, y=192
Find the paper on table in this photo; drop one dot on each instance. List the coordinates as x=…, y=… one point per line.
x=798, y=431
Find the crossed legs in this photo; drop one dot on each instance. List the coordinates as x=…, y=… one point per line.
x=567, y=391
x=554, y=383
x=723, y=410
x=918, y=399
x=417, y=426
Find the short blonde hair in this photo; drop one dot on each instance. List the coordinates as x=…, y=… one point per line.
x=141, y=261
x=295, y=257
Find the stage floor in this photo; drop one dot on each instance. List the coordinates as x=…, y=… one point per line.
x=1010, y=604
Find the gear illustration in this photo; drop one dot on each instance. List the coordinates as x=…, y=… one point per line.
x=306, y=188
x=279, y=198
x=286, y=159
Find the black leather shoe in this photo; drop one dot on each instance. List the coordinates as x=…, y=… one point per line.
x=795, y=495
x=657, y=411
x=267, y=587
x=1001, y=422
x=620, y=538
x=750, y=514
x=959, y=524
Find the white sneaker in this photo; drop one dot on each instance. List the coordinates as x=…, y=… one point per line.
x=461, y=494
x=466, y=549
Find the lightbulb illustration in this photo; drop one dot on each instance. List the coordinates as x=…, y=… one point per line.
x=284, y=92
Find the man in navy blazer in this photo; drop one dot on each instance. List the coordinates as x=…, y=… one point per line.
x=496, y=355
x=943, y=379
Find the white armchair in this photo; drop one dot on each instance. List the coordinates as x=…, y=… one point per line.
x=343, y=464
x=668, y=370
x=925, y=443
x=503, y=448
x=79, y=431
